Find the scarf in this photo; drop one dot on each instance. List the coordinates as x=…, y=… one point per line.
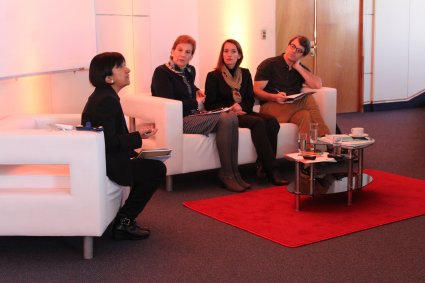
x=233, y=81
x=181, y=72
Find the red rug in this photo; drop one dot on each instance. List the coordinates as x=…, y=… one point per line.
x=270, y=213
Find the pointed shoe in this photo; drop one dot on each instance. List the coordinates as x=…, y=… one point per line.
x=241, y=182
x=276, y=179
x=230, y=184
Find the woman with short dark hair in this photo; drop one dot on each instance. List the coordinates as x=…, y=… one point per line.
x=109, y=74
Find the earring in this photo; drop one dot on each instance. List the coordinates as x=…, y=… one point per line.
x=112, y=81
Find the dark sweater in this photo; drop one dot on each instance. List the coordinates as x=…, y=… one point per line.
x=168, y=84
x=219, y=93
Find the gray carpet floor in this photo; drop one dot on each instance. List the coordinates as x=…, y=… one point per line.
x=186, y=246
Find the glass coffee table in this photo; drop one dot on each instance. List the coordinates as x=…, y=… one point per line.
x=344, y=175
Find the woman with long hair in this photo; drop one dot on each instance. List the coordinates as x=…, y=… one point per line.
x=229, y=85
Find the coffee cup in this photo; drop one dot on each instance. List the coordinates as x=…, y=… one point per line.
x=357, y=131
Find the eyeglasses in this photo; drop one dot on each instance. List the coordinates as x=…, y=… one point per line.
x=294, y=47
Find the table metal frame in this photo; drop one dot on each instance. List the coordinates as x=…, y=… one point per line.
x=352, y=152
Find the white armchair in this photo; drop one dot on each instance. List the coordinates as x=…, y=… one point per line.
x=53, y=183
x=197, y=152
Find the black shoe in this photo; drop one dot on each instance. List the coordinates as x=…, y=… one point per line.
x=276, y=179
x=259, y=172
x=127, y=229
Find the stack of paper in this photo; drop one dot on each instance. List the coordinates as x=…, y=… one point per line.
x=161, y=154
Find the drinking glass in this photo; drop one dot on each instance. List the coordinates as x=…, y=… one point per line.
x=336, y=144
x=302, y=142
x=313, y=132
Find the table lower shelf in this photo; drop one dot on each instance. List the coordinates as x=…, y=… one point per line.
x=328, y=184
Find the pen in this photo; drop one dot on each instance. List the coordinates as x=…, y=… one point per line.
x=278, y=91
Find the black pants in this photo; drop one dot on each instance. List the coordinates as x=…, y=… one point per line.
x=143, y=176
x=264, y=129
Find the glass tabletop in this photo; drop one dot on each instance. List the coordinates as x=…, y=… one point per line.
x=348, y=142
x=327, y=183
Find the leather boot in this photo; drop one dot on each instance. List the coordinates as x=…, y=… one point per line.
x=229, y=182
x=275, y=178
x=241, y=182
x=127, y=229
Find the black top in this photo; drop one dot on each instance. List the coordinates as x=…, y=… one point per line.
x=103, y=108
x=219, y=93
x=168, y=84
x=276, y=71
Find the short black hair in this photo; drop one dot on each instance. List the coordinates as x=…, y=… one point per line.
x=101, y=66
x=304, y=42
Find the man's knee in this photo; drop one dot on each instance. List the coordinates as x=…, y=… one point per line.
x=301, y=116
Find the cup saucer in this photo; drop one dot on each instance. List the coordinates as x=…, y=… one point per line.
x=359, y=136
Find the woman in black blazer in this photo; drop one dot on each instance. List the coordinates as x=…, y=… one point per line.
x=231, y=86
x=109, y=74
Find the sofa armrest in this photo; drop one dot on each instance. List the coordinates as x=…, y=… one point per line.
x=326, y=100
x=84, y=153
x=167, y=114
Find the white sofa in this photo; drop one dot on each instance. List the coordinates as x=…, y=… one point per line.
x=197, y=152
x=52, y=182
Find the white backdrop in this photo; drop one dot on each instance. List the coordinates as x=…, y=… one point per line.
x=39, y=36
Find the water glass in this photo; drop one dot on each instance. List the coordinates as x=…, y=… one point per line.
x=336, y=144
x=314, y=127
x=302, y=142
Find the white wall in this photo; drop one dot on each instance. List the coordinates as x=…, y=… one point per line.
x=394, y=41
x=144, y=30
x=222, y=19
x=32, y=41
x=54, y=93
x=34, y=94
x=368, y=11
x=416, y=81
x=170, y=19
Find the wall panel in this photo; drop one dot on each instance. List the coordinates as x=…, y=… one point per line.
x=416, y=80
x=40, y=36
x=391, y=50
x=115, y=34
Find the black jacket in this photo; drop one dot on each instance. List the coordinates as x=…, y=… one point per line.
x=219, y=93
x=166, y=83
x=103, y=108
